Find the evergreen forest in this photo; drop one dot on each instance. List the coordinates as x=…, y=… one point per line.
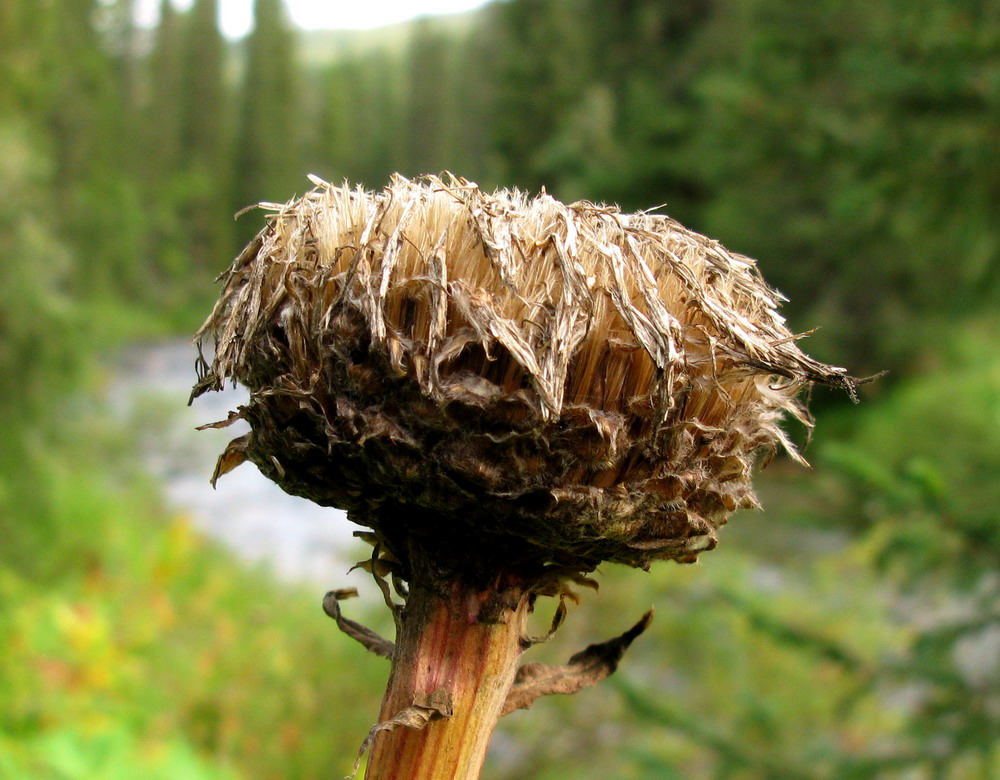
x=849, y=630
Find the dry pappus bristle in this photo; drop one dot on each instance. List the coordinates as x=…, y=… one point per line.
x=507, y=377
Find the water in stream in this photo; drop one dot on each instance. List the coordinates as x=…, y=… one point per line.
x=301, y=541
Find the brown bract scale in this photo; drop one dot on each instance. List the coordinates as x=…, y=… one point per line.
x=508, y=383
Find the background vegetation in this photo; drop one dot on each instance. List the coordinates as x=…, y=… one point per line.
x=850, y=631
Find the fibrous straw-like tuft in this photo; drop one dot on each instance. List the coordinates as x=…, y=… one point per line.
x=505, y=378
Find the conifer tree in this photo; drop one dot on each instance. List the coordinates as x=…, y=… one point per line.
x=203, y=141
x=162, y=178
x=364, y=116
x=203, y=98
x=540, y=77
x=40, y=344
x=428, y=112
x=85, y=119
x=335, y=153
x=268, y=153
x=162, y=134
x=475, y=92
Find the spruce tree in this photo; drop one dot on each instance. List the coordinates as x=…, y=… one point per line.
x=540, y=77
x=162, y=133
x=475, y=98
x=203, y=99
x=268, y=154
x=364, y=124
x=86, y=125
x=335, y=153
x=164, y=178
x=203, y=141
x=428, y=112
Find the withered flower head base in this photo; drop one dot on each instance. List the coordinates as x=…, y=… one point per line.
x=507, y=391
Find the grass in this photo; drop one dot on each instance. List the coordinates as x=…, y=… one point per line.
x=131, y=647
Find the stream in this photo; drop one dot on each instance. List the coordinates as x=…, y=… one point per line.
x=299, y=541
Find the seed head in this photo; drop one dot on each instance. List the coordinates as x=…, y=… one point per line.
x=506, y=380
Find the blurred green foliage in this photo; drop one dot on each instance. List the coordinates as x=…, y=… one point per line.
x=131, y=647
x=114, y=755
x=850, y=631
x=925, y=467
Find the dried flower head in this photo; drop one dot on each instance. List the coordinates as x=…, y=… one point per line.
x=504, y=379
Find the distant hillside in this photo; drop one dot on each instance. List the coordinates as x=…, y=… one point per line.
x=321, y=47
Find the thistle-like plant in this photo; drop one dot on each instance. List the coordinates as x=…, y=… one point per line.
x=506, y=391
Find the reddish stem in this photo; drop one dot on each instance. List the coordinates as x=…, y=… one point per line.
x=464, y=642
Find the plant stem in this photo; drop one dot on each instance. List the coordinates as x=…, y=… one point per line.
x=462, y=641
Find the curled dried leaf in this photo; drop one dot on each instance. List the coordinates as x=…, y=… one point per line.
x=372, y=641
x=230, y=419
x=234, y=455
x=557, y=620
x=425, y=708
x=586, y=668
